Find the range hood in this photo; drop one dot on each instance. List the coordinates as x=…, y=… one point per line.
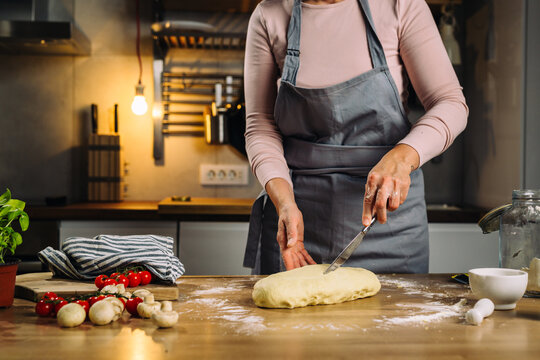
x=40, y=27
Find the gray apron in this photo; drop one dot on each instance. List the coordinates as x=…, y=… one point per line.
x=332, y=137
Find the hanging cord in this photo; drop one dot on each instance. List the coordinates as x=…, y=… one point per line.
x=139, y=39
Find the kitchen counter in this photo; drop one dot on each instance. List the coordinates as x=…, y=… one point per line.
x=413, y=316
x=203, y=209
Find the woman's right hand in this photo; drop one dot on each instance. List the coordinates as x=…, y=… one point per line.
x=290, y=233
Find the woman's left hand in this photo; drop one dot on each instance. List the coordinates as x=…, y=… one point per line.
x=388, y=182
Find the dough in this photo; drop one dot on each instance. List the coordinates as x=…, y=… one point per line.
x=308, y=286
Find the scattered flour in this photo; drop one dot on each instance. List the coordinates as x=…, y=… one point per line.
x=238, y=316
x=216, y=290
x=424, y=313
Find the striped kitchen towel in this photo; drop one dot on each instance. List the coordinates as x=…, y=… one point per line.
x=84, y=258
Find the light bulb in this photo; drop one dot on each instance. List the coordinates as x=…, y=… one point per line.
x=139, y=105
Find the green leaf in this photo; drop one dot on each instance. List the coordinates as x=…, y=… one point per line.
x=5, y=197
x=24, y=221
x=17, y=239
x=13, y=214
x=17, y=204
x=4, y=210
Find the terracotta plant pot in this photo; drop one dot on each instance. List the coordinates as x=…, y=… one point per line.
x=8, y=273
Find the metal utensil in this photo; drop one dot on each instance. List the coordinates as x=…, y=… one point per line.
x=349, y=249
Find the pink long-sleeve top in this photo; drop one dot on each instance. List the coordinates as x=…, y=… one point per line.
x=333, y=49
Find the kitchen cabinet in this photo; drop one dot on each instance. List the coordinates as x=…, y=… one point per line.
x=217, y=248
x=213, y=248
x=459, y=247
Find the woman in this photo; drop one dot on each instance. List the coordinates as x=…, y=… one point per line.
x=327, y=133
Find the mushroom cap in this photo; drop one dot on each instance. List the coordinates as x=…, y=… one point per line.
x=145, y=310
x=141, y=293
x=102, y=312
x=165, y=319
x=71, y=315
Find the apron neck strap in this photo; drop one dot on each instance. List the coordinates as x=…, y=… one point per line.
x=292, y=58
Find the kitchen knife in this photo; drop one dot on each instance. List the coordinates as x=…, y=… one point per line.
x=94, y=115
x=116, y=118
x=349, y=249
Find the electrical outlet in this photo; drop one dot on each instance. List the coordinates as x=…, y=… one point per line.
x=223, y=174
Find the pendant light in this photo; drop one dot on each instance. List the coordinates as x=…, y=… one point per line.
x=139, y=105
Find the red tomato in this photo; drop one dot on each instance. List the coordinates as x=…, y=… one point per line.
x=123, y=300
x=84, y=304
x=99, y=282
x=94, y=299
x=44, y=308
x=121, y=279
x=109, y=282
x=146, y=277
x=131, y=305
x=59, y=305
x=134, y=279
x=49, y=295
x=114, y=274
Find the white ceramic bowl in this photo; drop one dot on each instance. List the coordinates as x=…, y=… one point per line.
x=502, y=286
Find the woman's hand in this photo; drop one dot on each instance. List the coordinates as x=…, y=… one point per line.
x=290, y=233
x=388, y=182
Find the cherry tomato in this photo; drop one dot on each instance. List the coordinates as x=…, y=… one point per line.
x=59, y=305
x=123, y=300
x=85, y=304
x=146, y=277
x=49, y=295
x=94, y=299
x=131, y=305
x=114, y=274
x=109, y=282
x=44, y=308
x=121, y=279
x=134, y=279
x=99, y=282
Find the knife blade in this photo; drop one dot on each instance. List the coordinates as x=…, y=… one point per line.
x=349, y=249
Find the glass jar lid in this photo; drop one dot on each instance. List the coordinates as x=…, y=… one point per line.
x=526, y=194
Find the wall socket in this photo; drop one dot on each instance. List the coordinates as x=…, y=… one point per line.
x=223, y=174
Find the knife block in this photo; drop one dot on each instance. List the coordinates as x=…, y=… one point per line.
x=104, y=168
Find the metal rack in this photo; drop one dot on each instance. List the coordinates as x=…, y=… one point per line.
x=195, y=90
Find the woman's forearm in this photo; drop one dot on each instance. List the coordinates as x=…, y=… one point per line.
x=281, y=193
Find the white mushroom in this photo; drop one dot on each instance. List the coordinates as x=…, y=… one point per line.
x=71, y=315
x=165, y=317
x=127, y=294
x=148, y=307
x=141, y=293
x=103, y=312
x=110, y=289
x=118, y=305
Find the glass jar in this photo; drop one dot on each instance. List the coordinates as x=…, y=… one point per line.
x=519, y=234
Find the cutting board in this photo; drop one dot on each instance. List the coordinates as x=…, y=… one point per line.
x=33, y=286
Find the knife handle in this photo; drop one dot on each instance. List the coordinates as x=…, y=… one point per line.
x=116, y=118
x=94, y=116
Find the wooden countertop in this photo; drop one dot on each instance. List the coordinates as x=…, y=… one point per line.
x=413, y=316
x=202, y=209
x=209, y=209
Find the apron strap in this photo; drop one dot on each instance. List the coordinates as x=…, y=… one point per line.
x=255, y=231
x=292, y=58
x=375, y=47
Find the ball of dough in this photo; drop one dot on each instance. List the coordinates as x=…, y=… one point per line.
x=309, y=286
